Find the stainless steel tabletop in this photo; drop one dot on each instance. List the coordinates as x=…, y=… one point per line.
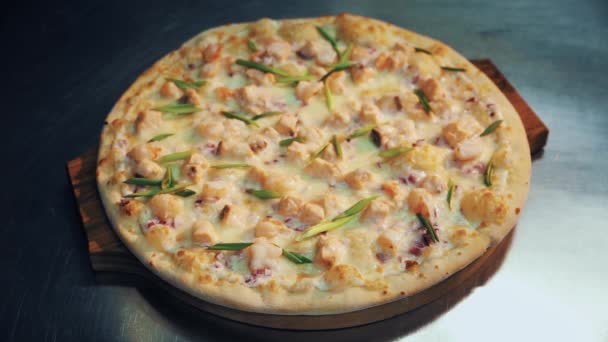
x=67, y=63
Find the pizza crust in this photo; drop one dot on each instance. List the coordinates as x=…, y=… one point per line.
x=274, y=299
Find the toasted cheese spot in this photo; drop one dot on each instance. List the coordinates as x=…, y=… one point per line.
x=503, y=157
x=389, y=241
x=269, y=227
x=289, y=206
x=203, y=232
x=324, y=169
x=298, y=32
x=360, y=179
x=144, y=151
x=330, y=251
x=264, y=28
x=148, y=122
x=166, y=206
x=263, y=254
x=484, y=206
x=311, y=213
x=351, y=29
x=427, y=157
x=131, y=207
x=461, y=129
x=461, y=235
x=419, y=201
x=195, y=167
x=149, y=169
x=161, y=237
x=339, y=277
x=307, y=89
x=171, y=91
x=426, y=65
x=302, y=284
x=468, y=149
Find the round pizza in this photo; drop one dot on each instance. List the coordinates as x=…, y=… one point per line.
x=311, y=166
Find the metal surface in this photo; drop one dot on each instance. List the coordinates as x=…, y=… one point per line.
x=65, y=65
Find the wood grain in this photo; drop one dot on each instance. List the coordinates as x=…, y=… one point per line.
x=108, y=254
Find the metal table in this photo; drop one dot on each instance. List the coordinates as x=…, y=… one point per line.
x=66, y=63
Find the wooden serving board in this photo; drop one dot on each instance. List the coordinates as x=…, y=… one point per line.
x=108, y=254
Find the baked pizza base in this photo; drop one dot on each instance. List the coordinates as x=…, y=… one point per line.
x=277, y=300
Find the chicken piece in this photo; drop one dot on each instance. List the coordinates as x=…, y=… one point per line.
x=258, y=174
x=312, y=134
x=131, y=207
x=263, y=254
x=320, y=50
x=212, y=52
x=339, y=119
x=257, y=143
x=336, y=82
x=271, y=135
x=256, y=100
x=342, y=276
x=317, y=71
x=389, y=241
x=434, y=183
x=324, y=169
x=406, y=128
x=298, y=32
x=426, y=157
x=330, y=251
x=161, y=237
x=298, y=151
x=211, y=129
x=289, y=206
x=311, y=213
x=166, y=206
x=234, y=216
x=283, y=183
x=468, y=149
x=195, y=166
x=203, y=232
x=278, y=49
x=377, y=211
x=148, y=122
x=393, y=60
x=461, y=129
x=431, y=89
x=171, y=91
x=389, y=103
x=264, y=28
x=233, y=148
x=269, y=227
x=218, y=189
x=484, y=206
x=144, y=151
x=360, y=179
x=394, y=190
x=420, y=202
x=260, y=78
x=332, y=204
x=370, y=114
x=307, y=89
x=361, y=74
x=223, y=94
x=359, y=54
x=149, y=169
x=193, y=97
x=211, y=70
x=384, y=133
x=287, y=124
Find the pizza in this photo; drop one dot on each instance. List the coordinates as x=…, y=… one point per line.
x=311, y=166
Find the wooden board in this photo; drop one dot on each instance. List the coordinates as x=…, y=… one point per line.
x=108, y=254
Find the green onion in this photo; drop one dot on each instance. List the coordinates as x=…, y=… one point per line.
x=362, y=131
x=179, y=108
x=429, y=228
x=423, y=100
x=487, y=177
x=329, y=100
x=262, y=67
x=337, y=146
x=174, y=157
x=296, y=258
x=491, y=128
x=287, y=142
x=331, y=40
x=295, y=79
x=230, y=166
x=263, y=194
x=346, y=54
x=251, y=45
x=356, y=208
x=142, y=181
x=265, y=115
x=418, y=49
x=236, y=246
x=236, y=116
x=324, y=227
x=337, y=67
x=168, y=180
x=185, y=193
x=453, y=69
x=187, y=85
x=393, y=152
x=157, y=191
x=451, y=187
x=160, y=137
x=318, y=152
